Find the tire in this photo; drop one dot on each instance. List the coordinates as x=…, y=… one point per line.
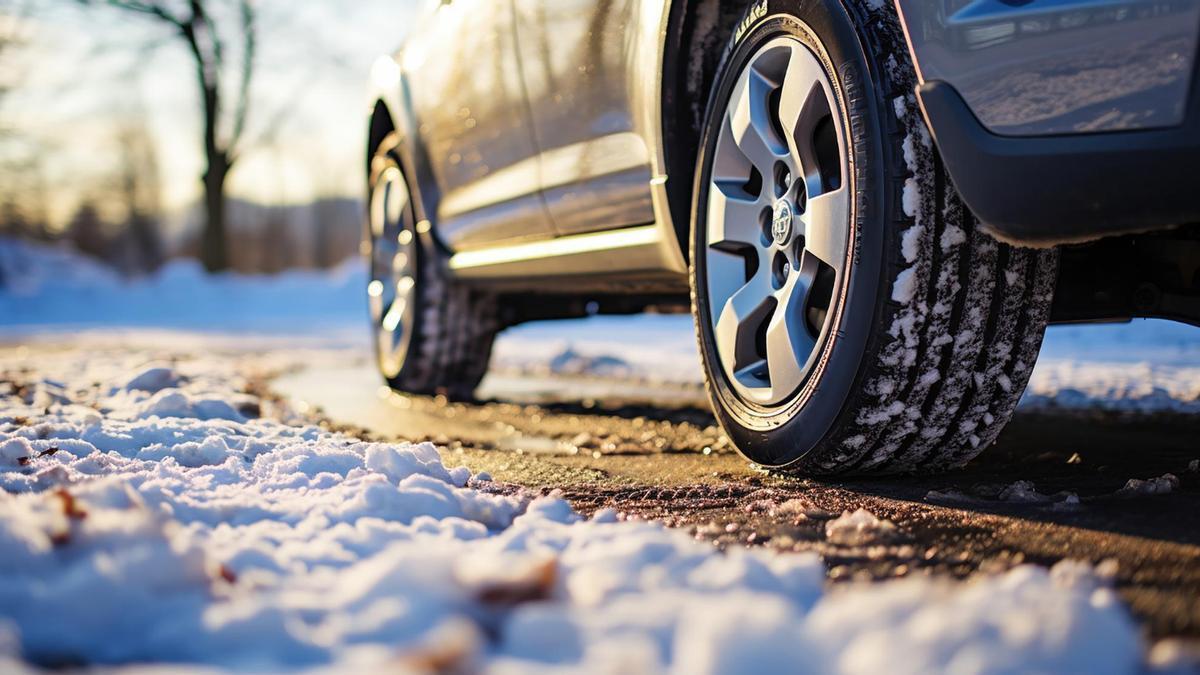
x=440, y=339
x=931, y=328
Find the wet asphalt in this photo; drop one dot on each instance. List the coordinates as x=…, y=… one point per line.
x=654, y=451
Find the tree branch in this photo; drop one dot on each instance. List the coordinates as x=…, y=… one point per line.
x=152, y=8
x=249, y=50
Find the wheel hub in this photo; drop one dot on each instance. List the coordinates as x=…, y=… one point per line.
x=777, y=221
x=781, y=223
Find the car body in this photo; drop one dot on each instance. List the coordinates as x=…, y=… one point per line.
x=577, y=141
x=552, y=146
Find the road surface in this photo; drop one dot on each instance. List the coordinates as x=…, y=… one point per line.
x=655, y=452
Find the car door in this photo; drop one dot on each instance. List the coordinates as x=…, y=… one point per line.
x=595, y=169
x=465, y=83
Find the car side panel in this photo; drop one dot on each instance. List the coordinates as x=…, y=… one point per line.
x=1059, y=66
x=578, y=58
x=468, y=101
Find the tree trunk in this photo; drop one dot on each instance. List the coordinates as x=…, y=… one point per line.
x=214, y=251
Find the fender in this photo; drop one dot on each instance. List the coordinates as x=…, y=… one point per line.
x=649, y=55
x=390, y=103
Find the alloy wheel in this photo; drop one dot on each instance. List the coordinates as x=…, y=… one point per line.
x=777, y=222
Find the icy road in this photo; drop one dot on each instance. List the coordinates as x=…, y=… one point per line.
x=205, y=472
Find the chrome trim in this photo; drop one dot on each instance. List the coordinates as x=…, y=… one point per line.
x=640, y=249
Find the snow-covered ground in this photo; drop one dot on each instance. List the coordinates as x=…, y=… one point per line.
x=154, y=510
x=53, y=290
x=1144, y=365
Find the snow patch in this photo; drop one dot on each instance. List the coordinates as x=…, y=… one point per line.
x=910, y=243
x=910, y=198
x=952, y=236
x=1161, y=485
x=859, y=528
x=1024, y=492
x=153, y=380
x=905, y=286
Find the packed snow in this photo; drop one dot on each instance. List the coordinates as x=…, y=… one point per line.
x=859, y=528
x=156, y=512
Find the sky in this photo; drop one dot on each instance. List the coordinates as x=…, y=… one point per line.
x=83, y=71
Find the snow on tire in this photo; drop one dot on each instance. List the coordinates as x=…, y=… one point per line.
x=967, y=312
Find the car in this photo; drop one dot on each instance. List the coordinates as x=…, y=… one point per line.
x=872, y=210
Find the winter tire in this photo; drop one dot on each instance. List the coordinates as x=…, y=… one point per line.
x=850, y=314
x=431, y=335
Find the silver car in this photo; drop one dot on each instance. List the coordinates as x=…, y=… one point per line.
x=872, y=210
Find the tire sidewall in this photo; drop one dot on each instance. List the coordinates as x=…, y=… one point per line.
x=782, y=435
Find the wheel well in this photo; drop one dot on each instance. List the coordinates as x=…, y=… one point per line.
x=697, y=33
x=381, y=125
x=1155, y=274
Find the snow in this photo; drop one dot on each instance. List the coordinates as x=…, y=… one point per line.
x=910, y=243
x=911, y=196
x=154, y=511
x=1161, y=485
x=53, y=288
x=858, y=528
x=1025, y=492
x=254, y=544
x=1144, y=366
x=905, y=286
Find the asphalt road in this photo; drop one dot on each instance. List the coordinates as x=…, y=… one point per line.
x=655, y=452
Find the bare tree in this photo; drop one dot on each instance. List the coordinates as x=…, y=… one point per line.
x=206, y=31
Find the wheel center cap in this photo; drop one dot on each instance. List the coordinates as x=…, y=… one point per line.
x=781, y=223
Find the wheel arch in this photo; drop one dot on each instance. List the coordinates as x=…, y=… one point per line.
x=393, y=122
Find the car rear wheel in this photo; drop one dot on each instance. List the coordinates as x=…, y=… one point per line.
x=850, y=314
x=431, y=335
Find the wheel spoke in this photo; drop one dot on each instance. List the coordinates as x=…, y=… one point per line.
x=802, y=98
x=804, y=101
x=750, y=124
x=733, y=220
x=788, y=341
x=740, y=318
x=826, y=223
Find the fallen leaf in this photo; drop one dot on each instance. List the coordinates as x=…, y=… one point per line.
x=70, y=505
x=536, y=583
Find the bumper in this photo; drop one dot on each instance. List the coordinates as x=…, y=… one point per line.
x=1067, y=188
